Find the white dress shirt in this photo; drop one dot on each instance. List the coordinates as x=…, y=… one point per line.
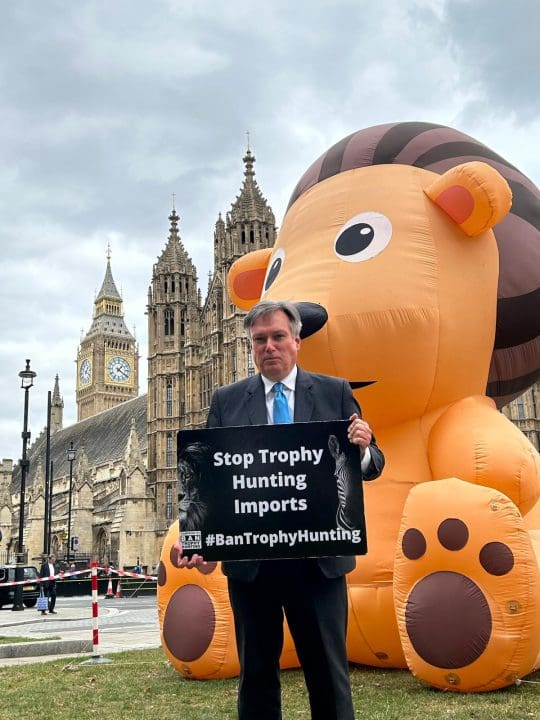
x=289, y=384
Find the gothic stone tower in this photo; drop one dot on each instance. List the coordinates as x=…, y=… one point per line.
x=250, y=225
x=219, y=354
x=193, y=349
x=108, y=359
x=173, y=302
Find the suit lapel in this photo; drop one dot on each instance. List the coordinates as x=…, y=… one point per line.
x=304, y=400
x=256, y=403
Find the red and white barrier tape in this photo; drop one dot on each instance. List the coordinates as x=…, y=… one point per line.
x=127, y=573
x=73, y=573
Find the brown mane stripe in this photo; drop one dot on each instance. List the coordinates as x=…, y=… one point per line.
x=393, y=142
x=456, y=149
x=515, y=324
x=512, y=388
x=525, y=204
x=333, y=159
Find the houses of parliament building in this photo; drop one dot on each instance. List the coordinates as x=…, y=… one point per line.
x=124, y=486
x=122, y=497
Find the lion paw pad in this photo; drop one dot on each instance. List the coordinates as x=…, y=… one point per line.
x=448, y=616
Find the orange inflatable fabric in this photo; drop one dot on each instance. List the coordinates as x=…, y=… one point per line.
x=422, y=246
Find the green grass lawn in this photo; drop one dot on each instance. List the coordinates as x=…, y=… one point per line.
x=141, y=684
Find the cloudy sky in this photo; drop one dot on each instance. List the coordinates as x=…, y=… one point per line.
x=108, y=108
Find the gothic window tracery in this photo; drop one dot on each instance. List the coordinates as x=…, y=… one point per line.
x=168, y=317
x=169, y=450
x=169, y=397
x=169, y=507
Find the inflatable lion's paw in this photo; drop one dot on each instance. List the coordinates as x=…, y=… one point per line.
x=464, y=586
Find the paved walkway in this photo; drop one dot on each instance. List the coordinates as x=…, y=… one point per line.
x=74, y=640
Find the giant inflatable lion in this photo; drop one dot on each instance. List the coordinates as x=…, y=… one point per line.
x=413, y=252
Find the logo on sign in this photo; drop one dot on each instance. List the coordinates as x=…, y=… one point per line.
x=191, y=540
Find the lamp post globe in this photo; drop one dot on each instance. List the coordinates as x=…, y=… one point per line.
x=71, y=458
x=27, y=380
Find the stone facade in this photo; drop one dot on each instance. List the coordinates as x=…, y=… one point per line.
x=6, y=508
x=523, y=412
x=123, y=482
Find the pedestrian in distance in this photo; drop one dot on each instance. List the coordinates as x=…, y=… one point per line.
x=48, y=570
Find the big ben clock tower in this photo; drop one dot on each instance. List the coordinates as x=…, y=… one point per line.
x=108, y=359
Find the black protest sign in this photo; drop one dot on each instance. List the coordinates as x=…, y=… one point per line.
x=270, y=491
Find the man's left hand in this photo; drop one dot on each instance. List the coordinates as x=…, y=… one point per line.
x=181, y=561
x=359, y=432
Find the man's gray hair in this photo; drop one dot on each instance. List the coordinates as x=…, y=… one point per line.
x=269, y=307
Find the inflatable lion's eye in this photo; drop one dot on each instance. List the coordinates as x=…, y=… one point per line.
x=363, y=236
x=274, y=266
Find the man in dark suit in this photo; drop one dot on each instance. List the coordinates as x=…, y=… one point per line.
x=311, y=592
x=48, y=570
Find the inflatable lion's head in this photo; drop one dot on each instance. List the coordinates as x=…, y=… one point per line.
x=413, y=252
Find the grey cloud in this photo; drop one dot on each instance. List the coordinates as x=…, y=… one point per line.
x=497, y=48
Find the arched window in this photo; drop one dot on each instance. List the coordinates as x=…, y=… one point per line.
x=169, y=398
x=168, y=322
x=169, y=450
x=169, y=506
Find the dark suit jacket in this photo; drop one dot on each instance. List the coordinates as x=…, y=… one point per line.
x=44, y=572
x=317, y=397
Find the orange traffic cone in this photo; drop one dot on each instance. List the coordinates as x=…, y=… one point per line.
x=119, y=589
x=109, y=593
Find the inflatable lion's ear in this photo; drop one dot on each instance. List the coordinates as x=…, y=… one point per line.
x=474, y=195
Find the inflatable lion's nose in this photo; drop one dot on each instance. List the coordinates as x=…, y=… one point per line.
x=313, y=317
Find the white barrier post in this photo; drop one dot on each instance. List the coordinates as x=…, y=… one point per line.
x=96, y=657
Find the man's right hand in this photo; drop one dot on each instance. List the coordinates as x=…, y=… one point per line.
x=179, y=561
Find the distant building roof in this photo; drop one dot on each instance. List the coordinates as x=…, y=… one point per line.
x=104, y=437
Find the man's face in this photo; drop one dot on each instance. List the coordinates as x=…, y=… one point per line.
x=274, y=348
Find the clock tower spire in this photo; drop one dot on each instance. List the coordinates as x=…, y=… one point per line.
x=108, y=358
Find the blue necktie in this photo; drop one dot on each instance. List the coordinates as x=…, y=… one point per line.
x=281, y=406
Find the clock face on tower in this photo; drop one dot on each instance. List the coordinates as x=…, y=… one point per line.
x=85, y=372
x=118, y=369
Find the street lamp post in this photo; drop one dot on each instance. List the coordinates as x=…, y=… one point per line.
x=27, y=380
x=71, y=458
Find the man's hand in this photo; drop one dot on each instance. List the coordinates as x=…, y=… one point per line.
x=359, y=433
x=179, y=561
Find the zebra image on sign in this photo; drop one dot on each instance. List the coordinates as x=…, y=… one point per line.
x=270, y=491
